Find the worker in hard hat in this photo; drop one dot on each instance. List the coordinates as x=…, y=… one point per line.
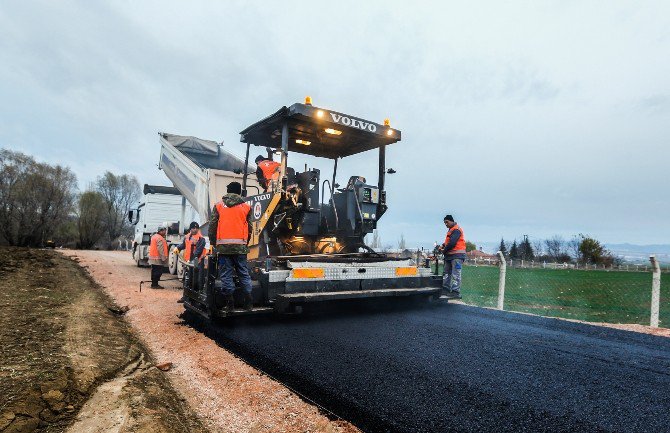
x=194, y=250
x=158, y=256
x=193, y=245
x=453, y=249
x=230, y=225
x=267, y=171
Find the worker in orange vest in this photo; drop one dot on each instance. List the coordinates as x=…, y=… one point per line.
x=194, y=250
x=194, y=244
x=229, y=230
x=267, y=171
x=158, y=256
x=454, y=256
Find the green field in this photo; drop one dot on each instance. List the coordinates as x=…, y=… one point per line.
x=596, y=296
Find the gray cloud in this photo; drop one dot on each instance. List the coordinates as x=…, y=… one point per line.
x=511, y=115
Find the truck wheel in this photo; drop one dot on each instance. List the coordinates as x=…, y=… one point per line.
x=180, y=270
x=173, y=261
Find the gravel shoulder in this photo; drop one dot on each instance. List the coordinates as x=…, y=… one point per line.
x=225, y=392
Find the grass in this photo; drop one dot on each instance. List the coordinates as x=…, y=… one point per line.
x=595, y=296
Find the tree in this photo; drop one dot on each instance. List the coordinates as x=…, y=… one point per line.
x=526, y=249
x=376, y=241
x=120, y=193
x=35, y=199
x=469, y=246
x=593, y=252
x=514, y=251
x=537, y=247
x=91, y=219
x=573, y=248
x=556, y=248
x=401, y=242
x=503, y=248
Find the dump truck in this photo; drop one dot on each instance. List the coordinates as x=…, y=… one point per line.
x=159, y=205
x=303, y=248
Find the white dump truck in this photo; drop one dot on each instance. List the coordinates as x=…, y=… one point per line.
x=160, y=205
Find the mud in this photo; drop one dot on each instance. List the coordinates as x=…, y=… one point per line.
x=61, y=345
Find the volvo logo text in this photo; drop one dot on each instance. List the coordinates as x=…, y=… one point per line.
x=347, y=121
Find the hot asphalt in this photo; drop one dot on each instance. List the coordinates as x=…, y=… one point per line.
x=451, y=367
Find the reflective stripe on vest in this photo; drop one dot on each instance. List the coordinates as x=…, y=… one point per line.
x=232, y=227
x=191, y=242
x=270, y=170
x=153, y=247
x=459, y=248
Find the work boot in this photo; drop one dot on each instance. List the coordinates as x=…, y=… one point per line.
x=248, y=302
x=228, y=304
x=157, y=286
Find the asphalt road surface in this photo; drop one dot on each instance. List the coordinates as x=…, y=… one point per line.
x=457, y=368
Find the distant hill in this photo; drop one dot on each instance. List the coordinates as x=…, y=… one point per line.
x=637, y=253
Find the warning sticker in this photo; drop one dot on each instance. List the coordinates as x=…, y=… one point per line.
x=257, y=210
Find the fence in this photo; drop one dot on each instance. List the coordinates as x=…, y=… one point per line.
x=596, y=295
x=518, y=263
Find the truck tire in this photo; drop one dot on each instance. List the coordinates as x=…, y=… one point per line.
x=180, y=270
x=173, y=261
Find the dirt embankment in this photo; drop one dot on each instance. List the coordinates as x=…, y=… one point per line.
x=61, y=346
x=228, y=395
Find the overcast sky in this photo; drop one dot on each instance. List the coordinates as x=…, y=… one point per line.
x=535, y=118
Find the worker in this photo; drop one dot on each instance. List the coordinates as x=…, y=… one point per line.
x=194, y=250
x=158, y=256
x=230, y=225
x=267, y=171
x=453, y=249
x=194, y=244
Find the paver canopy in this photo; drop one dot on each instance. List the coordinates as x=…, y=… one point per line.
x=319, y=132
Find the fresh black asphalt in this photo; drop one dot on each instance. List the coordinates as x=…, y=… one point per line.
x=452, y=367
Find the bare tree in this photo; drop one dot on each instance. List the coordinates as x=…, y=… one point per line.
x=573, y=248
x=555, y=247
x=401, y=242
x=119, y=193
x=376, y=240
x=36, y=198
x=538, y=247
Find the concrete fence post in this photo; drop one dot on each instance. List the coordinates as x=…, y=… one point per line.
x=501, y=280
x=655, y=291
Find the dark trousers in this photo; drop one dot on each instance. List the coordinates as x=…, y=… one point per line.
x=230, y=264
x=156, y=272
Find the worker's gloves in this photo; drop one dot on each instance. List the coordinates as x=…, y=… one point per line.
x=176, y=250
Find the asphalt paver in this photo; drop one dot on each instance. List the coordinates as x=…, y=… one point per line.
x=451, y=367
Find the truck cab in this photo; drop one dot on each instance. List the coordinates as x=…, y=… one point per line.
x=160, y=205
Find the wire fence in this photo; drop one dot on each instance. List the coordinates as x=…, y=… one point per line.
x=594, y=295
x=519, y=263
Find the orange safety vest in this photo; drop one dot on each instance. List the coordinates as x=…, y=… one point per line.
x=460, y=243
x=153, y=247
x=232, y=228
x=191, y=241
x=270, y=171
